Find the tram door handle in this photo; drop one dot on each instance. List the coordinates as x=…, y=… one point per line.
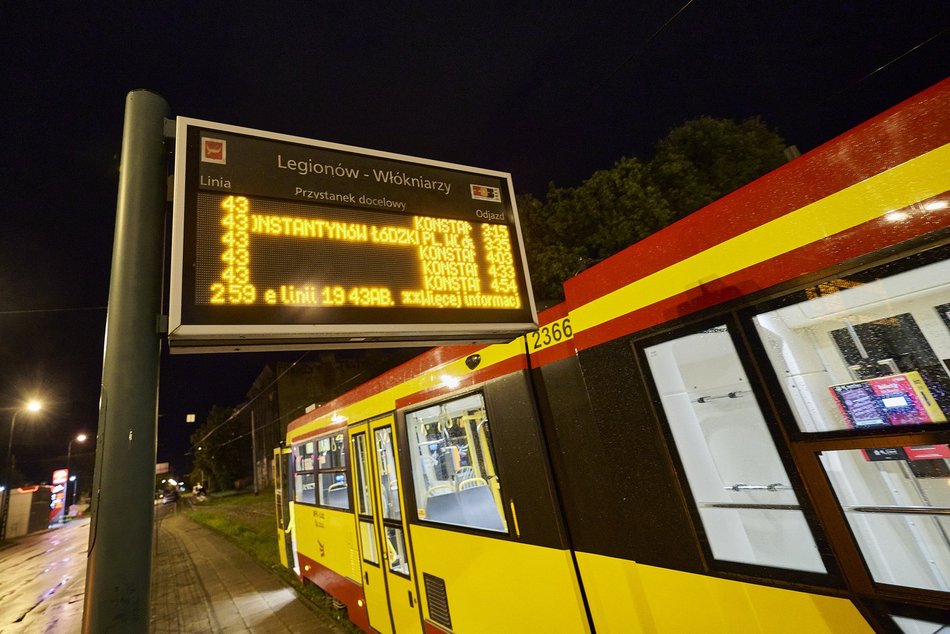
x=366, y=577
x=410, y=599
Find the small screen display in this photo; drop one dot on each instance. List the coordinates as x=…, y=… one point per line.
x=895, y=401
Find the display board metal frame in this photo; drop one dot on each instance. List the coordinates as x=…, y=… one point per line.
x=283, y=242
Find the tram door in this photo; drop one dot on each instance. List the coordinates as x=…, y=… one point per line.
x=374, y=584
x=283, y=488
x=391, y=599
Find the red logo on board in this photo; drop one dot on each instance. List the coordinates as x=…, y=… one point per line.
x=214, y=150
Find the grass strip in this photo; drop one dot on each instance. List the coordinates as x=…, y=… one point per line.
x=249, y=522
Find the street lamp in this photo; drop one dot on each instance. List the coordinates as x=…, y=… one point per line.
x=72, y=478
x=69, y=453
x=69, y=449
x=32, y=406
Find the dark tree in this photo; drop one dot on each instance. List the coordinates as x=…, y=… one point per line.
x=704, y=159
x=217, y=445
x=578, y=226
x=695, y=164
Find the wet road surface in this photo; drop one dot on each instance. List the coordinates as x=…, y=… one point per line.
x=200, y=582
x=42, y=580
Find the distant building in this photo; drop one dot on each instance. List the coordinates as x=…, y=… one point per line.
x=283, y=391
x=28, y=511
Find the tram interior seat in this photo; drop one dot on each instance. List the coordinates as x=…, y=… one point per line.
x=474, y=507
x=439, y=489
x=471, y=483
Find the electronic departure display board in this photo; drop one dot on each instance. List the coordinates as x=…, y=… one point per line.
x=283, y=242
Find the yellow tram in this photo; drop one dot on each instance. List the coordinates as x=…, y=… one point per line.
x=738, y=424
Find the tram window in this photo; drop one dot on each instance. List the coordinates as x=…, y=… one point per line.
x=304, y=487
x=331, y=471
x=748, y=509
x=388, y=480
x=396, y=544
x=908, y=625
x=897, y=503
x=369, y=542
x=870, y=351
x=453, y=465
x=363, y=503
x=361, y=460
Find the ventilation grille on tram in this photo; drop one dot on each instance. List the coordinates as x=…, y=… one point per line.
x=438, y=600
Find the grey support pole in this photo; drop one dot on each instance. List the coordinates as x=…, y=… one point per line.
x=120, y=539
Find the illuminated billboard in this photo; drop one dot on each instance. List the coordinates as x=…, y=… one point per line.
x=282, y=242
x=57, y=503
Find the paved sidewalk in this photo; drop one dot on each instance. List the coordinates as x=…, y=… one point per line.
x=203, y=583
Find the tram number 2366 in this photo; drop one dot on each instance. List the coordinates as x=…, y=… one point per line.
x=550, y=334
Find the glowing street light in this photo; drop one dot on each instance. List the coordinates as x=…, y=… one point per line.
x=69, y=449
x=69, y=453
x=32, y=406
x=72, y=478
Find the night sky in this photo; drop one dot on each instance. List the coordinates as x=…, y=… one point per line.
x=549, y=93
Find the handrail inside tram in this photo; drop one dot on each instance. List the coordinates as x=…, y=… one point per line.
x=901, y=510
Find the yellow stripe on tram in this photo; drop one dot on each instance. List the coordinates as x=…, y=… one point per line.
x=918, y=179
x=442, y=376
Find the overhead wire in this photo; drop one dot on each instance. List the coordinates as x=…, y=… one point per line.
x=247, y=403
x=647, y=41
x=30, y=311
x=898, y=58
x=273, y=422
x=258, y=427
x=640, y=50
x=808, y=110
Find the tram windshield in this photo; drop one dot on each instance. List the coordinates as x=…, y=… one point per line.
x=453, y=465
